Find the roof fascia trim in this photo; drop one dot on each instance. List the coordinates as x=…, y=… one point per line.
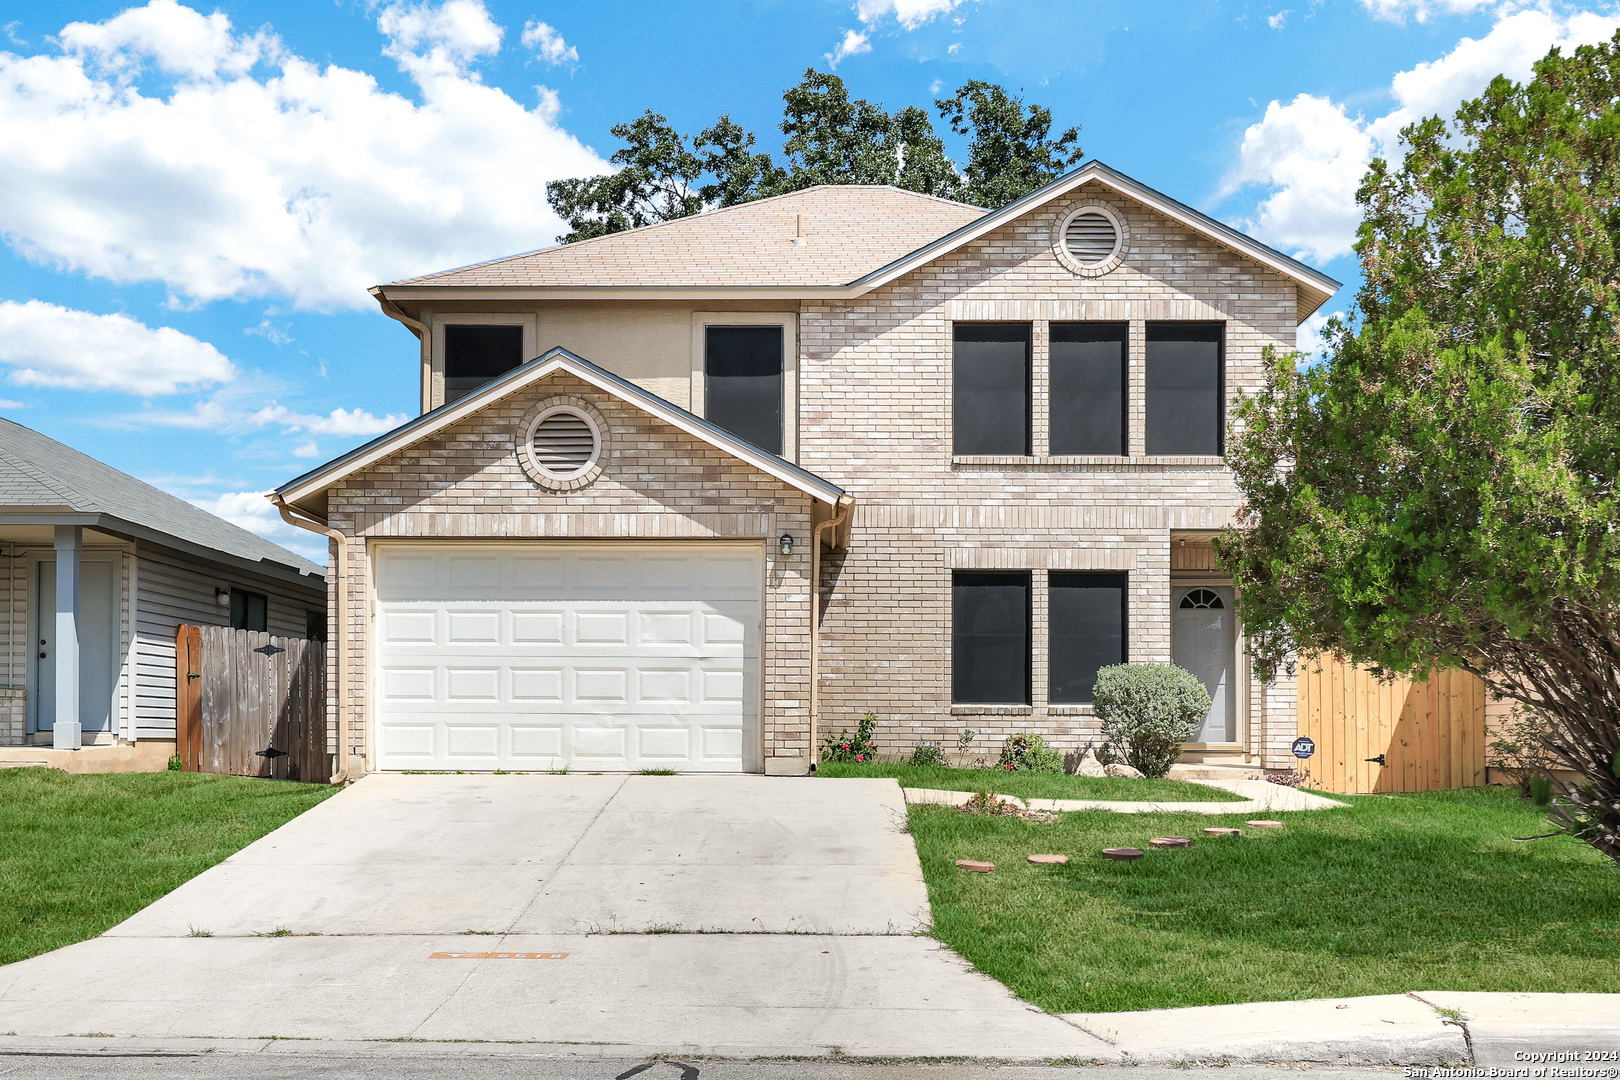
x=599, y=292
x=555, y=359
x=133, y=531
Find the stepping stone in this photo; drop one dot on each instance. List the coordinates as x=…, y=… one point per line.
x=1055, y=860
x=976, y=867
x=1170, y=841
x=1266, y=824
x=1223, y=832
x=1123, y=854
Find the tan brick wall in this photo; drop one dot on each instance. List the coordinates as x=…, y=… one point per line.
x=875, y=393
x=658, y=483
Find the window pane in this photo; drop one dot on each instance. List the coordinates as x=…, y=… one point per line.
x=1087, y=629
x=473, y=355
x=742, y=383
x=1088, y=388
x=1185, y=411
x=990, y=638
x=249, y=610
x=990, y=413
x=315, y=625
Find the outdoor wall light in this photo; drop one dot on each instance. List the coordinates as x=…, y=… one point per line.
x=785, y=545
x=222, y=597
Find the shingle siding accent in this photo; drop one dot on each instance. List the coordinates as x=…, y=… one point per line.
x=657, y=483
x=875, y=393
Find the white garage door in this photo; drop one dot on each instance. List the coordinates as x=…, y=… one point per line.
x=538, y=656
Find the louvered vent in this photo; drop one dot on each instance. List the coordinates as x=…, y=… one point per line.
x=1090, y=238
x=564, y=444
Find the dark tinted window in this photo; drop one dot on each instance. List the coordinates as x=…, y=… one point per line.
x=1186, y=413
x=990, y=412
x=990, y=638
x=315, y=625
x=473, y=355
x=1088, y=388
x=742, y=383
x=1087, y=631
x=249, y=610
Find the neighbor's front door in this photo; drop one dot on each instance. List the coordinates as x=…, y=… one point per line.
x=98, y=644
x=1203, y=642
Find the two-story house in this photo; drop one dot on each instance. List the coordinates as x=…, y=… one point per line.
x=988, y=444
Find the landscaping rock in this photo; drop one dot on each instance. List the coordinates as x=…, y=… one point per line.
x=1090, y=766
x=1223, y=832
x=976, y=867
x=1170, y=841
x=1056, y=860
x=1119, y=768
x=1266, y=824
x=1123, y=854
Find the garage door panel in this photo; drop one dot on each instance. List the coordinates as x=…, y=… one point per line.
x=541, y=656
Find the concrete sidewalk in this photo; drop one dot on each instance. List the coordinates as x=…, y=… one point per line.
x=1259, y=797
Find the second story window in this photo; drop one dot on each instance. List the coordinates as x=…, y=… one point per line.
x=1088, y=388
x=1186, y=389
x=990, y=389
x=742, y=382
x=473, y=355
x=249, y=610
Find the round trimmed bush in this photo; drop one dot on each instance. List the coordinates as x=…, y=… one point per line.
x=1147, y=712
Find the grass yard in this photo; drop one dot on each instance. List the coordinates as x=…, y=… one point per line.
x=82, y=853
x=1407, y=892
x=1027, y=785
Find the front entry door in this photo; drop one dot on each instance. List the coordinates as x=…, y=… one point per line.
x=98, y=644
x=1202, y=641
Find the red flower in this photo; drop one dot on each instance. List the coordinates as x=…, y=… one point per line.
x=860, y=757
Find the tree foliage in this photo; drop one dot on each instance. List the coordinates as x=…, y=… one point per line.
x=1441, y=489
x=828, y=138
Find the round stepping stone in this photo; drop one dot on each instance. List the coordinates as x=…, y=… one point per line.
x=976, y=867
x=1056, y=860
x=1123, y=854
x=1223, y=832
x=1266, y=824
x=1170, y=841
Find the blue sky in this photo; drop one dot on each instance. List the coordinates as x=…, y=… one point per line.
x=194, y=199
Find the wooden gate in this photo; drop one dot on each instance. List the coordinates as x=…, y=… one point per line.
x=249, y=704
x=1431, y=735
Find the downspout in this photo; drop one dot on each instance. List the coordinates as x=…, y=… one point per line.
x=424, y=337
x=339, y=617
x=844, y=505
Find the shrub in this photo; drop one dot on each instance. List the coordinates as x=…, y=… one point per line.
x=1147, y=712
x=1520, y=750
x=927, y=754
x=856, y=747
x=1025, y=752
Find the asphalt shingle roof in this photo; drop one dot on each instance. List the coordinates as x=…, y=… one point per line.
x=849, y=230
x=37, y=471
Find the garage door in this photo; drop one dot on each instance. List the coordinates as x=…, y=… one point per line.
x=538, y=656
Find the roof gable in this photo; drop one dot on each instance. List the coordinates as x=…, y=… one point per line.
x=315, y=483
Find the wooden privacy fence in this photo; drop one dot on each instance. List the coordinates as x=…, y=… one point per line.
x=249, y=704
x=1430, y=735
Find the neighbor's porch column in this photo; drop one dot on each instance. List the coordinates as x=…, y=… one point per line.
x=66, y=733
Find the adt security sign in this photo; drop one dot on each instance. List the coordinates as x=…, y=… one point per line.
x=1303, y=747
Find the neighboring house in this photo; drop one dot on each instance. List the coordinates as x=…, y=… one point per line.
x=990, y=442
x=102, y=569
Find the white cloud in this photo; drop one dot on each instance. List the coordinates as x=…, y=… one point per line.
x=255, y=172
x=1397, y=11
x=307, y=450
x=910, y=13
x=1312, y=153
x=243, y=409
x=275, y=335
x=255, y=513
x=1277, y=21
x=853, y=45
x=337, y=422
x=548, y=44
x=48, y=345
x=1308, y=336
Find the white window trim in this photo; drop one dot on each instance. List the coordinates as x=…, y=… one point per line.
x=789, y=322
x=433, y=376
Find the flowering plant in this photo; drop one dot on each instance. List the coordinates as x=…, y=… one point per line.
x=856, y=747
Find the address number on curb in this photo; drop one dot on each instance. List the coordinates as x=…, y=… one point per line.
x=499, y=956
x=1303, y=747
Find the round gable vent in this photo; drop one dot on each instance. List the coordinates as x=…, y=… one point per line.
x=1091, y=238
x=564, y=443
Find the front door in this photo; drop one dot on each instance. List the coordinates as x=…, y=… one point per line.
x=1202, y=641
x=98, y=644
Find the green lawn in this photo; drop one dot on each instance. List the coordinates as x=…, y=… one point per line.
x=1408, y=892
x=1025, y=785
x=82, y=853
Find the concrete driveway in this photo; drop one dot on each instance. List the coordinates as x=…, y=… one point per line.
x=735, y=916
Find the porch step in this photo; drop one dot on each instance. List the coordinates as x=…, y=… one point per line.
x=1211, y=771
